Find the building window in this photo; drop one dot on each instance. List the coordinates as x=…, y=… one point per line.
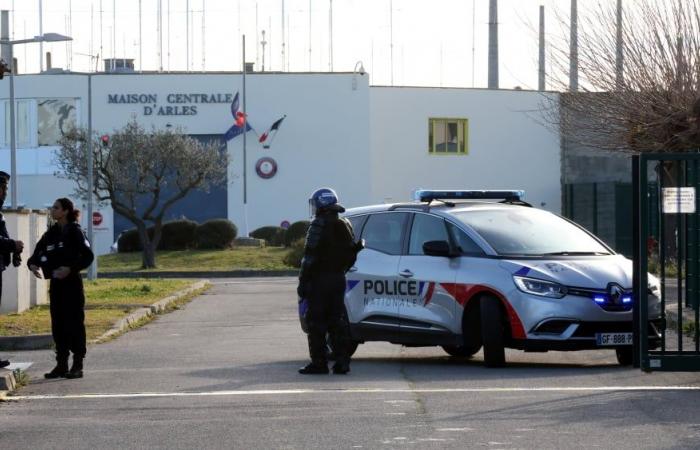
x=25, y=123
x=448, y=136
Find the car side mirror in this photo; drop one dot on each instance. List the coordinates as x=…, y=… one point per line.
x=437, y=248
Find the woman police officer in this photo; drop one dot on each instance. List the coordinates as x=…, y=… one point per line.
x=61, y=253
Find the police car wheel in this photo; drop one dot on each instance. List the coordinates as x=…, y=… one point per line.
x=460, y=351
x=625, y=357
x=492, y=332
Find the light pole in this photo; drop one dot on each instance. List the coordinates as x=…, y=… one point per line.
x=46, y=37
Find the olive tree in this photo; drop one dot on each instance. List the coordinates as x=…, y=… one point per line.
x=134, y=167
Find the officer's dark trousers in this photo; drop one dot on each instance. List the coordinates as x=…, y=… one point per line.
x=327, y=315
x=68, y=316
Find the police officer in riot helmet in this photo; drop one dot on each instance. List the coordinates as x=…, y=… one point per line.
x=329, y=251
x=10, y=250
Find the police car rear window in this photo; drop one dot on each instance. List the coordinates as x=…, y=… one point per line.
x=384, y=232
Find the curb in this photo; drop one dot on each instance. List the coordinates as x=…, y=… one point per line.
x=141, y=313
x=7, y=382
x=29, y=342
x=215, y=274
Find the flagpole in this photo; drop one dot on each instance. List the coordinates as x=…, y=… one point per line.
x=245, y=127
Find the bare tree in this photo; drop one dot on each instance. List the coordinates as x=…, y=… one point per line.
x=653, y=103
x=134, y=167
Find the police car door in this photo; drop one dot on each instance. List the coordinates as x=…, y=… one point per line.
x=370, y=300
x=428, y=308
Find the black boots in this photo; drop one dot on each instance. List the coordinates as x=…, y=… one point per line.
x=60, y=370
x=314, y=369
x=341, y=368
x=76, y=370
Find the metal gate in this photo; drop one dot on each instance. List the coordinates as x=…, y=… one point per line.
x=666, y=261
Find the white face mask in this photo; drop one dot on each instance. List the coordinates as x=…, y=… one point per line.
x=312, y=208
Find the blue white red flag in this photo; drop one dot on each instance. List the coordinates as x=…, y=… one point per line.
x=268, y=135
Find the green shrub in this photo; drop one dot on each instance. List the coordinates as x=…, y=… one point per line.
x=178, y=235
x=273, y=236
x=295, y=253
x=296, y=231
x=129, y=241
x=216, y=234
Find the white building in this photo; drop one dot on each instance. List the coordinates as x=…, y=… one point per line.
x=371, y=144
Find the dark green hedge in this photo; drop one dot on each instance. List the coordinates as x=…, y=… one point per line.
x=216, y=234
x=184, y=234
x=295, y=253
x=273, y=236
x=178, y=235
x=296, y=231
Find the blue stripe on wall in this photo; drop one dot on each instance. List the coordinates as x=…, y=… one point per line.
x=198, y=205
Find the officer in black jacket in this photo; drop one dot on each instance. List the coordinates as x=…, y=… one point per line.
x=328, y=250
x=61, y=253
x=10, y=249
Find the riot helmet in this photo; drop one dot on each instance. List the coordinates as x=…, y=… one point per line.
x=322, y=198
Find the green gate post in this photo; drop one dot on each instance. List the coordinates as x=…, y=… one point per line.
x=636, y=294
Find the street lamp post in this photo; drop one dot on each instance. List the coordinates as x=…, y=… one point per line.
x=46, y=37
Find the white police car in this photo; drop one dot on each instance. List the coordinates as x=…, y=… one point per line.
x=461, y=270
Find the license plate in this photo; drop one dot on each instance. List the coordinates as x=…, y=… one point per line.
x=613, y=339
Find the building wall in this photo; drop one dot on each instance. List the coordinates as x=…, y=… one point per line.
x=369, y=144
x=509, y=148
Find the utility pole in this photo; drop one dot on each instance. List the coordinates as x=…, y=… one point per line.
x=573, y=49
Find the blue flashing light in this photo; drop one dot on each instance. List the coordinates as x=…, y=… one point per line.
x=599, y=299
x=627, y=299
x=426, y=195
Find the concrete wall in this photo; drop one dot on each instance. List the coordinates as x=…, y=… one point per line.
x=508, y=146
x=16, y=295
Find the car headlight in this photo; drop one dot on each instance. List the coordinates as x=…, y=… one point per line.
x=540, y=287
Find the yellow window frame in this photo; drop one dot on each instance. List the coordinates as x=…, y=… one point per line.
x=462, y=135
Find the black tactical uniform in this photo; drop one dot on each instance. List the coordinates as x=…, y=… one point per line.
x=329, y=241
x=8, y=247
x=58, y=247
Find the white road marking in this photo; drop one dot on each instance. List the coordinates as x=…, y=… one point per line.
x=289, y=280
x=264, y=392
x=19, y=365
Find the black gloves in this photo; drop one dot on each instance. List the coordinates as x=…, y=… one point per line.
x=304, y=289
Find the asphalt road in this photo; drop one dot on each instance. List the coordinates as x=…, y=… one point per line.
x=221, y=373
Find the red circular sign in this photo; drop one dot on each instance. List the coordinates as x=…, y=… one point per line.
x=97, y=218
x=266, y=167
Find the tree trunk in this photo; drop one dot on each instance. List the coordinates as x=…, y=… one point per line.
x=148, y=256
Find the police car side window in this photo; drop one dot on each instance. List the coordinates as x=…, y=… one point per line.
x=357, y=222
x=426, y=228
x=384, y=232
x=466, y=245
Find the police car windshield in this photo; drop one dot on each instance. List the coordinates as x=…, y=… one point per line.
x=530, y=232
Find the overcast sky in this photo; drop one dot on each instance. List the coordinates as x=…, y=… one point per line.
x=432, y=40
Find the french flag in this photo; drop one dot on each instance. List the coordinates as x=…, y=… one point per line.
x=268, y=135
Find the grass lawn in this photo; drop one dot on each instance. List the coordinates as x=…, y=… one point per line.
x=268, y=258
x=106, y=302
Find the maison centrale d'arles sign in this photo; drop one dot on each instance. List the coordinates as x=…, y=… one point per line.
x=174, y=104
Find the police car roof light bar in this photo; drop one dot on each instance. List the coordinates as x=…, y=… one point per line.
x=424, y=195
